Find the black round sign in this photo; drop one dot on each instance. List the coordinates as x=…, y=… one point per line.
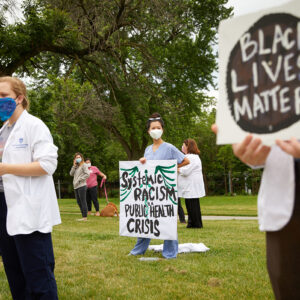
x=263, y=75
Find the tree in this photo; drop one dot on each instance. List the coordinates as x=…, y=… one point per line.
x=138, y=56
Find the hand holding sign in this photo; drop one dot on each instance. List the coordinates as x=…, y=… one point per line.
x=143, y=160
x=250, y=151
x=291, y=147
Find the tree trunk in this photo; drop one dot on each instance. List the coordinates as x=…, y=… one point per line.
x=230, y=183
x=205, y=183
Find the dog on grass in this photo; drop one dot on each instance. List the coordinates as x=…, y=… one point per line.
x=109, y=210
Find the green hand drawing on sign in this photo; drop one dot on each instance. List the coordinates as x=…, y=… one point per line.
x=167, y=180
x=124, y=192
x=145, y=200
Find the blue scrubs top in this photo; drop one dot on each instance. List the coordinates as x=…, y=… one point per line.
x=165, y=151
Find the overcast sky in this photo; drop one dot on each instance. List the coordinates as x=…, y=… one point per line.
x=242, y=7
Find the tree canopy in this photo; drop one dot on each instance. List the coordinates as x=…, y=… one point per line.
x=100, y=68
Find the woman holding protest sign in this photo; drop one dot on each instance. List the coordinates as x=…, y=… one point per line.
x=278, y=208
x=190, y=183
x=81, y=173
x=159, y=150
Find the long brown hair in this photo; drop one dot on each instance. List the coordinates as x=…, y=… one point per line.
x=82, y=158
x=191, y=146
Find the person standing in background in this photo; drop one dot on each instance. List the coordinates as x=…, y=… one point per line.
x=81, y=173
x=92, y=187
x=28, y=202
x=190, y=183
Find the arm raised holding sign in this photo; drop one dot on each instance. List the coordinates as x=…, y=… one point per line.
x=260, y=94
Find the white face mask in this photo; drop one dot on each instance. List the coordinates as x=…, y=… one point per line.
x=156, y=133
x=89, y=164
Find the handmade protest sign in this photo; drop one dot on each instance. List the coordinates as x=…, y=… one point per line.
x=148, y=199
x=260, y=75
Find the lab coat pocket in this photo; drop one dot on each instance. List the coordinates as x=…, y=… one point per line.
x=32, y=210
x=32, y=205
x=187, y=187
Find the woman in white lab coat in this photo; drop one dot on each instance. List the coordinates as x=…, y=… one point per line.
x=28, y=203
x=190, y=183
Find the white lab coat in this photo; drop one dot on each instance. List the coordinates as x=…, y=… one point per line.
x=277, y=191
x=190, y=179
x=31, y=200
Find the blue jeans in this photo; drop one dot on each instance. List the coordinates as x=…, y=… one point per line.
x=170, y=248
x=28, y=261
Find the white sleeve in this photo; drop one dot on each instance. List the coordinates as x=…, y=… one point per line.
x=188, y=169
x=43, y=149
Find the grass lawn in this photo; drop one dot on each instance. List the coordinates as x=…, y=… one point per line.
x=92, y=261
x=229, y=205
x=212, y=205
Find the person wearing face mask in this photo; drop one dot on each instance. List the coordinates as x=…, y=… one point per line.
x=159, y=150
x=190, y=183
x=28, y=202
x=81, y=173
x=92, y=189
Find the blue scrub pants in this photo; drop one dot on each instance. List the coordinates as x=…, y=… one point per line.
x=170, y=248
x=28, y=261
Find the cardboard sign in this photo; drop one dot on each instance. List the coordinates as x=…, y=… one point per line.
x=260, y=75
x=148, y=199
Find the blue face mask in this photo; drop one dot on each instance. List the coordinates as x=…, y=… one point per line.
x=78, y=160
x=7, y=108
